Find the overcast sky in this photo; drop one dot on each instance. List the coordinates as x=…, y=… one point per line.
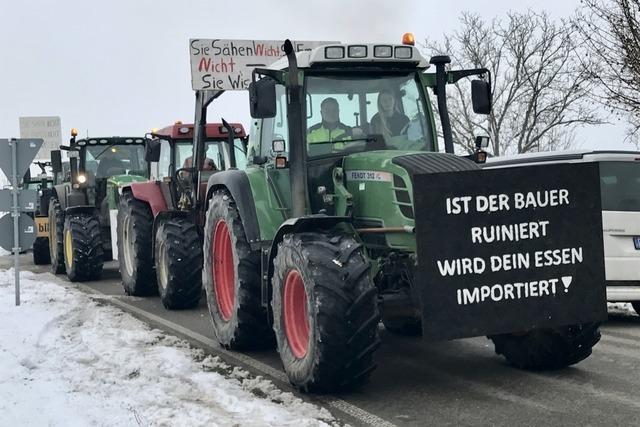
x=122, y=67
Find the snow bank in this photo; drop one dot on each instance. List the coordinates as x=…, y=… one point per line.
x=67, y=358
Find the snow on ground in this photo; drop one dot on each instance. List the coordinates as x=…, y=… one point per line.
x=621, y=308
x=69, y=359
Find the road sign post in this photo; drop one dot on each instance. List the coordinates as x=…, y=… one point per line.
x=20, y=152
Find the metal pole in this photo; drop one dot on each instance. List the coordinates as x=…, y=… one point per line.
x=16, y=217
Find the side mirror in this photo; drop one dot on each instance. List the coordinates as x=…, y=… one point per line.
x=262, y=98
x=152, y=151
x=481, y=96
x=56, y=161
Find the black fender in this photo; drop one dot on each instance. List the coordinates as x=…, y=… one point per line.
x=59, y=191
x=163, y=216
x=69, y=197
x=237, y=183
x=84, y=209
x=296, y=225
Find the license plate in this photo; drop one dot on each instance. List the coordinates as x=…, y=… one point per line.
x=43, y=226
x=636, y=242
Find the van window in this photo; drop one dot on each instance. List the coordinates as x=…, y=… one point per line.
x=620, y=186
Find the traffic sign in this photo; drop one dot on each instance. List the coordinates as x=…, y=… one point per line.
x=27, y=200
x=26, y=151
x=26, y=228
x=17, y=230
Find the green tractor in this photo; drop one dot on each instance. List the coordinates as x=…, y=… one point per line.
x=82, y=210
x=317, y=234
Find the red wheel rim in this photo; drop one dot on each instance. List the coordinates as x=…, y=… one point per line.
x=296, y=320
x=224, y=282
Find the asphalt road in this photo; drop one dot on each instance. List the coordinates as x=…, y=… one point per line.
x=451, y=383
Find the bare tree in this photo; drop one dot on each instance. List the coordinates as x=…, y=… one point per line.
x=610, y=31
x=539, y=86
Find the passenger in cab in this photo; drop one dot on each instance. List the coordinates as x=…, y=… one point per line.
x=389, y=120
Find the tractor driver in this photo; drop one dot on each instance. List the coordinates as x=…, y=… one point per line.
x=331, y=129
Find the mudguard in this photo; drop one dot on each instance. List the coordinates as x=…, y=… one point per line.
x=295, y=225
x=237, y=183
x=149, y=192
x=88, y=209
x=68, y=196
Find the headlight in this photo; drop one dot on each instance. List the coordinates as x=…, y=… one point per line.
x=82, y=179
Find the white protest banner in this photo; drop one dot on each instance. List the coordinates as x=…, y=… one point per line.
x=219, y=64
x=46, y=128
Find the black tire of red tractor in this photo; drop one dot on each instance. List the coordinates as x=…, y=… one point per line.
x=136, y=262
x=408, y=327
x=56, y=236
x=247, y=326
x=342, y=311
x=86, y=247
x=41, y=254
x=636, y=306
x=546, y=349
x=178, y=260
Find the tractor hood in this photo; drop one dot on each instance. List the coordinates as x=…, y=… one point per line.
x=412, y=162
x=381, y=183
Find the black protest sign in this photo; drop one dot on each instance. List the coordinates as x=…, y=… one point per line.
x=508, y=250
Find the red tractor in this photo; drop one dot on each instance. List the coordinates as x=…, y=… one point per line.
x=160, y=221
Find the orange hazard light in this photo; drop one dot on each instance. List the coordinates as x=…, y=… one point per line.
x=407, y=38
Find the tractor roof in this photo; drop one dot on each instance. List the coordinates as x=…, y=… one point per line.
x=363, y=54
x=109, y=140
x=185, y=131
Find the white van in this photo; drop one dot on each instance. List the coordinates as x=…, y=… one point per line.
x=620, y=188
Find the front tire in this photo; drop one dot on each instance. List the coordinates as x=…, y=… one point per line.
x=325, y=311
x=231, y=278
x=544, y=349
x=83, y=254
x=178, y=259
x=135, y=255
x=56, y=236
x=41, y=254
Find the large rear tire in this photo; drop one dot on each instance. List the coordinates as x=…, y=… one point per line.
x=41, y=254
x=543, y=349
x=325, y=311
x=56, y=236
x=135, y=255
x=83, y=254
x=178, y=260
x=231, y=278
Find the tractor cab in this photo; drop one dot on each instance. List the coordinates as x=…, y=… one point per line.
x=175, y=147
x=365, y=120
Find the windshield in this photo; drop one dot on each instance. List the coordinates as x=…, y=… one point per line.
x=620, y=186
x=105, y=161
x=215, y=157
x=358, y=113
